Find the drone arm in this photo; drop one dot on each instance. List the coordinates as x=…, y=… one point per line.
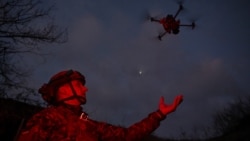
x=179, y=10
x=161, y=35
x=154, y=20
x=191, y=25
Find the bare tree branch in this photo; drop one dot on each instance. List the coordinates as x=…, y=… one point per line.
x=24, y=25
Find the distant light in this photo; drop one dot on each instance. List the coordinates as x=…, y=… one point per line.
x=140, y=72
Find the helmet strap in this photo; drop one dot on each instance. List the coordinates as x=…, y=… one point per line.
x=74, y=96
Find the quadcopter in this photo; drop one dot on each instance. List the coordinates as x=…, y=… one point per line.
x=170, y=24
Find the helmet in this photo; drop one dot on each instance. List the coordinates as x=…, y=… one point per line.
x=49, y=90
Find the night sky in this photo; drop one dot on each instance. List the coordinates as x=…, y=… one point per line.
x=127, y=69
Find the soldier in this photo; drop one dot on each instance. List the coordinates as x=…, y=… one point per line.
x=64, y=119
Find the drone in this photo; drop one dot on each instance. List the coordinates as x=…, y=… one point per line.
x=170, y=24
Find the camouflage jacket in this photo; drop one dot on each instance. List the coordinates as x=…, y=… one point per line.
x=62, y=123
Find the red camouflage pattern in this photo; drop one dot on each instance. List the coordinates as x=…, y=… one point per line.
x=63, y=123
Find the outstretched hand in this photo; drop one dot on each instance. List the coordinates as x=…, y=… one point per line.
x=166, y=109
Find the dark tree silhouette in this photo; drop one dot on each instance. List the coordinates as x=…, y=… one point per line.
x=24, y=25
x=235, y=119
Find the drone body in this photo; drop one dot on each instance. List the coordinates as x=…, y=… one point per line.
x=170, y=24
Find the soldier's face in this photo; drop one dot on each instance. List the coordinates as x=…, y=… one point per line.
x=74, y=93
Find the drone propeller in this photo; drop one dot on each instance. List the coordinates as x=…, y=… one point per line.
x=148, y=17
x=193, y=25
x=179, y=2
x=194, y=19
x=181, y=9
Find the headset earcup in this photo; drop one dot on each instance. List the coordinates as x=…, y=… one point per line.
x=47, y=93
